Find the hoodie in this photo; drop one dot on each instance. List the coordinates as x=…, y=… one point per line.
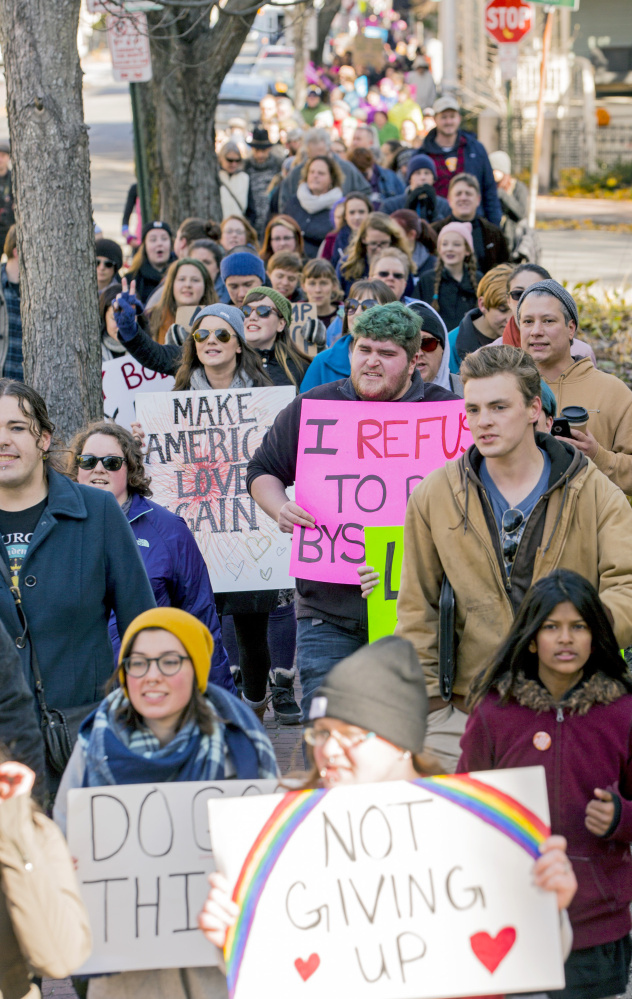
x=609, y=403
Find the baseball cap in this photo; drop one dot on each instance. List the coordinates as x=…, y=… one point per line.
x=447, y=103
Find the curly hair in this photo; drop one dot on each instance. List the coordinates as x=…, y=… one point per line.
x=392, y=322
x=288, y=223
x=163, y=315
x=357, y=264
x=137, y=479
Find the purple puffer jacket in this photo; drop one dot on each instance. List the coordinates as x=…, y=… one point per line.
x=584, y=744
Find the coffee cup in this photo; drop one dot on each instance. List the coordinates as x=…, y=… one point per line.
x=577, y=417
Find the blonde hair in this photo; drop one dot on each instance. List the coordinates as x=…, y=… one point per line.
x=393, y=251
x=492, y=287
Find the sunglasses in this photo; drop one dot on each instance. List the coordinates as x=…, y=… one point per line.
x=260, y=310
x=110, y=462
x=516, y=294
x=105, y=263
x=223, y=336
x=231, y=160
x=512, y=521
x=387, y=274
x=352, y=305
x=429, y=345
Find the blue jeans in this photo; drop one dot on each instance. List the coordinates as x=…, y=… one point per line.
x=319, y=646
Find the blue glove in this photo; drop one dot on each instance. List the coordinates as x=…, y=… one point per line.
x=125, y=315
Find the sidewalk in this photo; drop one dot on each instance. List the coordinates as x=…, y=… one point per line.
x=602, y=210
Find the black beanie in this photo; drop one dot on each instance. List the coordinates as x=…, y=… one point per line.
x=431, y=321
x=155, y=225
x=380, y=688
x=111, y=251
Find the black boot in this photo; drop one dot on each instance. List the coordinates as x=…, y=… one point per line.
x=286, y=710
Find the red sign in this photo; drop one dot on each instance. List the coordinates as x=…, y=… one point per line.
x=128, y=40
x=507, y=21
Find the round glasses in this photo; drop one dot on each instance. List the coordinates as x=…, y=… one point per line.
x=223, y=336
x=429, y=345
x=352, y=305
x=260, y=310
x=110, y=462
x=320, y=736
x=169, y=663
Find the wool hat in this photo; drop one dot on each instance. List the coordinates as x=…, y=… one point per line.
x=446, y=103
x=418, y=162
x=280, y=301
x=111, y=251
x=552, y=287
x=549, y=404
x=380, y=688
x=464, y=229
x=157, y=224
x=194, y=635
x=260, y=139
x=431, y=321
x=500, y=161
x=241, y=264
x=393, y=321
x=233, y=316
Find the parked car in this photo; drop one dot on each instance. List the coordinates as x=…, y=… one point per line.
x=239, y=97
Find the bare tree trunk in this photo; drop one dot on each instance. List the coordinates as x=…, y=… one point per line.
x=190, y=60
x=326, y=15
x=51, y=176
x=299, y=28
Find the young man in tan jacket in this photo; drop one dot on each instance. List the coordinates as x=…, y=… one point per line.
x=516, y=506
x=548, y=321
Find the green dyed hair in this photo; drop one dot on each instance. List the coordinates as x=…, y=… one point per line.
x=392, y=321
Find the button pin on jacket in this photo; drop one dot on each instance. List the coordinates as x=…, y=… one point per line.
x=542, y=741
x=142, y=542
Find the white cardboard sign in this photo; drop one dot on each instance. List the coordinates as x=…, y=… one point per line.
x=122, y=379
x=198, y=448
x=402, y=890
x=128, y=40
x=143, y=859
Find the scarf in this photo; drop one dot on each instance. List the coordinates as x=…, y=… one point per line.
x=117, y=754
x=199, y=382
x=511, y=333
x=111, y=348
x=314, y=203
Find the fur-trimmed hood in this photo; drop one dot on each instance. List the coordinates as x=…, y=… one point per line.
x=597, y=689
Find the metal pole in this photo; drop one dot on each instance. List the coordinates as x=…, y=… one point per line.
x=510, y=142
x=140, y=154
x=539, y=123
x=447, y=32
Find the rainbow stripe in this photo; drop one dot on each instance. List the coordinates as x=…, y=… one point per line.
x=489, y=804
x=292, y=809
x=492, y=806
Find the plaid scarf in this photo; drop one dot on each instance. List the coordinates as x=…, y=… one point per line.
x=118, y=754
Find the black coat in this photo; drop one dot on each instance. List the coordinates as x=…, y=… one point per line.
x=455, y=297
x=490, y=245
x=19, y=728
x=147, y=279
x=314, y=227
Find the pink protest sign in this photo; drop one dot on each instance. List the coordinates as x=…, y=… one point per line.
x=358, y=462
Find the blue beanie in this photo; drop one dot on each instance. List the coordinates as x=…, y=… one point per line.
x=233, y=316
x=241, y=264
x=418, y=163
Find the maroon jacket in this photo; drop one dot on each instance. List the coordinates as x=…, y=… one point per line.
x=583, y=744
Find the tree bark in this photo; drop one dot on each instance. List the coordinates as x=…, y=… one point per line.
x=326, y=15
x=299, y=28
x=190, y=60
x=51, y=183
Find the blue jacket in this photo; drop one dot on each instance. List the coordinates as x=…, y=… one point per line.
x=442, y=208
x=329, y=365
x=178, y=575
x=477, y=163
x=386, y=183
x=82, y=564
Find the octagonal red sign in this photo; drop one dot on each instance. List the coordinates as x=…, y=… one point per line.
x=507, y=21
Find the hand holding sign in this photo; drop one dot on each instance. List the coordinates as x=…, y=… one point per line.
x=291, y=515
x=218, y=912
x=369, y=579
x=553, y=871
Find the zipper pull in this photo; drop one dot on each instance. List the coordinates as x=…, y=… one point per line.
x=560, y=715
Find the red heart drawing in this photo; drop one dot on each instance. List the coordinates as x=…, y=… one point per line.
x=491, y=950
x=307, y=968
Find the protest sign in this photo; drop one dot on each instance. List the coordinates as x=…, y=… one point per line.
x=417, y=889
x=358, y=462
x=143, y=858
x=301, y=312
x=198, y=448
x=122, y=379
x=384, y=547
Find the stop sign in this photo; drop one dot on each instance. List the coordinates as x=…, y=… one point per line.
x=507, y=21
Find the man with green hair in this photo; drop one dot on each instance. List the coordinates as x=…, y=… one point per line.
x=332, y=618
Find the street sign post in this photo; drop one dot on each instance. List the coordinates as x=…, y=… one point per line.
x=128, y=40
x=507, y=21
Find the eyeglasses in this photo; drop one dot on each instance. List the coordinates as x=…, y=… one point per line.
x=516, y=294
x=429, y=345
x=512, y=521
x=105, y=263
x=231, y=159
x=260, y=310
x=287, y=238
x=352, y=305
x=320, y=736
x=110, y=462
x=169, y=664
x=223, y=336
x=377, y=246
x=387, y=274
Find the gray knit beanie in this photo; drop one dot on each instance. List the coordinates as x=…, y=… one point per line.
x=552, y=287
x=380, y=688
x=233, y=316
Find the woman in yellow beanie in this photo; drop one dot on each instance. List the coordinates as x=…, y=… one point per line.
x=165, y=722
